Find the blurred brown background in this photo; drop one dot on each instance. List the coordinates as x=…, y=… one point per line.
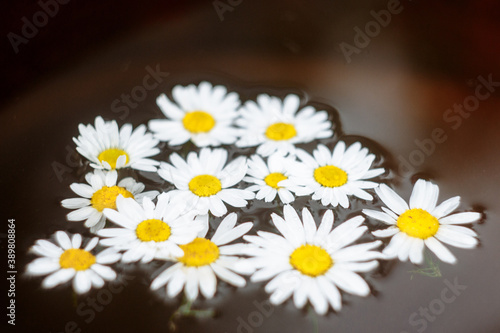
x=395, y=89
x=457, y=39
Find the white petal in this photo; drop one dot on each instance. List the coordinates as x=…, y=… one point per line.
x=440, y=250
x=63, y=240
x=461, y=218
x=391, y=199
x=82, y=283
x=59, y=277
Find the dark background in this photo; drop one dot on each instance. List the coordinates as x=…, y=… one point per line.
x=394, y=93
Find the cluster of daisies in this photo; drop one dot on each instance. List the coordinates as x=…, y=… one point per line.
x=307, y=259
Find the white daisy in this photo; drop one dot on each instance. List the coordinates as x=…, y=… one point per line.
x=311, y=263
x=276, y=125
x=101, y=194
x=108, y=147
x=204, y=260
x=149, y=231
x=422, y=223
x=66, y=261
x=332, y=177
x=204, y=184
x=268, y=177
x=203, y=114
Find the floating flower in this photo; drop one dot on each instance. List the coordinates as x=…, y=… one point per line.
x=204, y=260
x=311, y=263
x=268, y=178
x=203, y=114
x=108, y=147
x=101, y=194
x=204, y=184
x=66, y=261
x=332, y=177
x=149, y=232
x=276, y=125
x=422, y=224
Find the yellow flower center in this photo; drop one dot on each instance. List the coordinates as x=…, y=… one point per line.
x=198, y=122
x=280, y=131
x=106, y=197
x=111, y=155
x=205, y=185
x=418, y=223
x=274, y=178
x=153, y=230
x=77, y=259
x=311, y=260
x=199, y=252
x=330, y=176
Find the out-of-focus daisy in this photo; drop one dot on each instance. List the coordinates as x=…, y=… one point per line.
x=108, y=147
x=332, y=177
x=66, y=261
x=422, y=223
x=311, y=263
x=204, y=184
x=268, y=177
x=203, y=114
x=101, y=194
x=276, y=125
x=204, y=260
x=149, y=232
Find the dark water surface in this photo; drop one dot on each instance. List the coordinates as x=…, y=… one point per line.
x=391, y=101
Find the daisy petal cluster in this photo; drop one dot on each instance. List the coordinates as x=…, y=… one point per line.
x=108, y=147
x=422, y=224
x=65, y=261
x=101, y=193
x=202, y=114
x=277, y=126
x=148, y=231
x=307, y=261
x=268, y=178
x=205, y=183
x=205, y=260
x=312, y=263
x=332, y=177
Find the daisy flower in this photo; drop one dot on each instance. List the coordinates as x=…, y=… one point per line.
x=204, y=184
x=66, y=261
x=148, y=232
x=108, y=147
x=422, y=223
x=204, y=260
x=332, y=177
x=276, y=125
x=267, y=178
x=101, y=193
x=203, y=114
x=311, y=263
